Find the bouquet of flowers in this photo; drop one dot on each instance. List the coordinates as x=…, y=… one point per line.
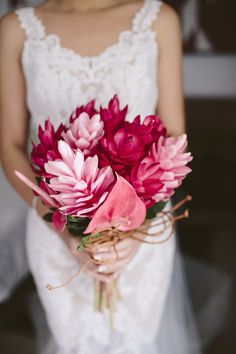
x=105, y=178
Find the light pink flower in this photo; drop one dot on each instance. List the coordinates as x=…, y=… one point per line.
x=162, y=171
x=123, y=209
x=82, y=187
x=84, y=132
x=171, y=155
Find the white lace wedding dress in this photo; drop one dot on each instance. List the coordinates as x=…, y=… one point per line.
x=58, y=79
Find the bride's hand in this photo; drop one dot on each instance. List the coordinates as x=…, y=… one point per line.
x=117, y=257
x=72, y=243
x=96, y=259
x=114, y=260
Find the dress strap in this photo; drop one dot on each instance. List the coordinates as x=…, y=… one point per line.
x=29, y=22
x=147, y=14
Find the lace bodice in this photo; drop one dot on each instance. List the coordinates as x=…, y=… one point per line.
x=59, y=79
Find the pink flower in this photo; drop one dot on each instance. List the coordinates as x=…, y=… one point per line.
x=162, y=171
x=145, y=177
x=125, y=146
x=113, y=116
x=82, y=187
x=123, y=209
x=46, y=150
x=46, y=188
x=88, y=108
x=59, y=221
x=155, y=127
x=125, y=143
x=84, y=132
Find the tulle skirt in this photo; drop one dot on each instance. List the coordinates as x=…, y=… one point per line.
x=180, y=327
x=178, y=333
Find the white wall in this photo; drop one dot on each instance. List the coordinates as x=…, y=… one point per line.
x=210, y=76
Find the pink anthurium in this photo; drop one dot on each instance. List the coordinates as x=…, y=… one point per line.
x=122, y=209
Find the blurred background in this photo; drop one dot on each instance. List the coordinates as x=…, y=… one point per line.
x=208, y=238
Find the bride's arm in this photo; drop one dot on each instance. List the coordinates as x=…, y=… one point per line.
x=13, y=111
x=14, y=116
x=170, y=71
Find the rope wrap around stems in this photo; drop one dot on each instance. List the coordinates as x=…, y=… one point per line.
x=109, y=238
x=164, y=220
x=107, y=294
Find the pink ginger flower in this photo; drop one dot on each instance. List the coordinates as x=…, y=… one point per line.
x=162, y=171
x=88, y=108
x=82, y=187
x=84, y=132
x=46, y=150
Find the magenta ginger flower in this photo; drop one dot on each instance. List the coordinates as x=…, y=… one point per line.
x=84, y=132
x=162, y=171
x=124, y=143
x=113, y=116
x=46, y=150
x=155, y=127
x=124, y=147
x=82, y=187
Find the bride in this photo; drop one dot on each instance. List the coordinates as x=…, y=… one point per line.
x=54, y=57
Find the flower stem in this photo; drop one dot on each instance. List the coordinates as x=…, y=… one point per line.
x=97, y=294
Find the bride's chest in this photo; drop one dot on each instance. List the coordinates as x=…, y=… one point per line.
x=58, y=79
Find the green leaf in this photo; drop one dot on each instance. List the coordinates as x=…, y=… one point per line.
x=75, y=231
x=95, y=235
x=53, y=209
x=80, y=247
x=71, y=218
x=156, y=208
x=84, y=240
x=77, y=225
x=48, y=217
x=77, y=219
x=38, y=179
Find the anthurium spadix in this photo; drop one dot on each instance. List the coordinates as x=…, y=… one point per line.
x=122, y=209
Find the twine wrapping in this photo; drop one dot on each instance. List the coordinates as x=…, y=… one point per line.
x=107, y=294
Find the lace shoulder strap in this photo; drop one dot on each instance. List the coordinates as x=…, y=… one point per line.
x=148, y=13
x=29, y=22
